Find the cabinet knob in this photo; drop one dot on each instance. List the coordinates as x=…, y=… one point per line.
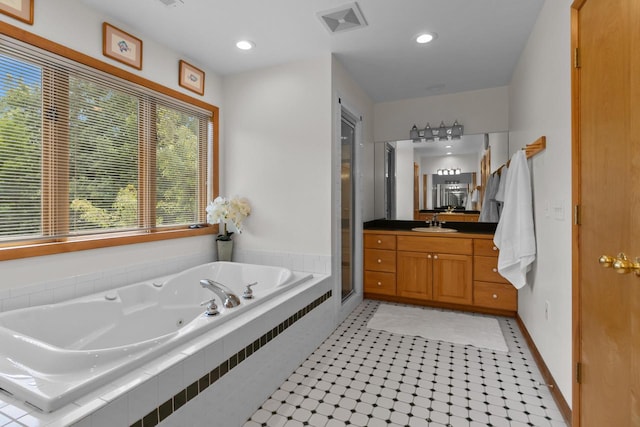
x=429, y=256
x=494, y=248
x=494, y=296
x=379, y=261
x=379, y=283
x=379, y=241
x=435, y=257
x=495, y=270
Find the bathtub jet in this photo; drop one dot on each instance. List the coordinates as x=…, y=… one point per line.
x=90, y=341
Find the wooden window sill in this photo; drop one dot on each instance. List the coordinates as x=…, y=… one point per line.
x=75, y=244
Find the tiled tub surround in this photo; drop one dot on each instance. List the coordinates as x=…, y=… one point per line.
x=146, y=390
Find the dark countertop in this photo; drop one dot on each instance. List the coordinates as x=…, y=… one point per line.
x=456, y=211
x=401, y=225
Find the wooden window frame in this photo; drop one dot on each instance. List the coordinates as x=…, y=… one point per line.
x=40, y=247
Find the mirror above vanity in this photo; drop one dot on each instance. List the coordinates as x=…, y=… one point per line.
x=415, y=178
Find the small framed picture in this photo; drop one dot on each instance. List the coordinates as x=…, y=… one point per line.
x=121, y=46
x=19, y=9
x=191, y=78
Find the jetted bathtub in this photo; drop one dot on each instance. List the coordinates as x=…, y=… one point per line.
x=53, y=354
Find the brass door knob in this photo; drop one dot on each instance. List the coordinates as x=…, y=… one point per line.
x=621, y=264
x=606, y=261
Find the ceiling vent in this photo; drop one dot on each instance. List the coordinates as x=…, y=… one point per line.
x=344, y=18
x=172, y=3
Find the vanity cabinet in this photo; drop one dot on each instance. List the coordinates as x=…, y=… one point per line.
x=435, y=268
x=380, y=264
x=455, y=271
x=490, y=289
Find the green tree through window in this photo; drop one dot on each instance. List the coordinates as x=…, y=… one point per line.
x=118, y=159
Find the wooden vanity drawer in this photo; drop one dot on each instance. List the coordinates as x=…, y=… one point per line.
x=484, y=247
x=380, y=241
x=485, y=269
x=495, y=295
x=442, y=245
x=380, y=260
x=377, y=282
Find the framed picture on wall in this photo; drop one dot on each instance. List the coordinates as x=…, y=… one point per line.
x=19, y=9
x=121, y=46
x=191, y=78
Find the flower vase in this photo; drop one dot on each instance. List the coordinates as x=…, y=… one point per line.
x=225, y=250
x=225, y=244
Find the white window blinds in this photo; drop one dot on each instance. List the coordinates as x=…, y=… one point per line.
x=83, y=152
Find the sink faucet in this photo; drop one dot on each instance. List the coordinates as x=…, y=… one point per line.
x=229, y=299
x=434, y=220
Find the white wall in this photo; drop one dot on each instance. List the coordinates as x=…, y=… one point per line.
x=377, y=183
x=71, y=23
x=277, y=154
x=499, y=143
x=404, y=180
x=479, y=111
x=540, y=104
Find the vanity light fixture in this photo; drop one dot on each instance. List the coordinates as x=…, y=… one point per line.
x=442, y=132
x=443, y=135
x=456, y=171
x=245, y=45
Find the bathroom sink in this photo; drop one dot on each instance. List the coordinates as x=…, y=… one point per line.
x=434, y=230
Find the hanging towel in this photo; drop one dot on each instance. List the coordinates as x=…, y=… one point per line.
x=468, y=205
x=503, y=183
x=515, y=236
x=489, y=212
x=500, y=192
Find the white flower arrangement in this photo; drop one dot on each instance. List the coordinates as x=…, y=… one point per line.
x=224, y=211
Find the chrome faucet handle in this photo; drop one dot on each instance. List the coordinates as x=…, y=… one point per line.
x=212, y=308
x=248, y=292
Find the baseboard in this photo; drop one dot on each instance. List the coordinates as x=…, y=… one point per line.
x=564, y=408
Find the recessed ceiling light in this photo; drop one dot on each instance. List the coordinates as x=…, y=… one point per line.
x=447, y=146
x=245, y=45
x=426, y=37
x=449, y=153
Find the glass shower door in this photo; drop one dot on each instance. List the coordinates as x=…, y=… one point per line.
x=346, y=210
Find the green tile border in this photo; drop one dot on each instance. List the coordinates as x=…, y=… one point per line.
x=192, y=390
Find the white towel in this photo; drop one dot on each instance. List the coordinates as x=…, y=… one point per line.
x=489, y=212
x=515, y=235
x=503, y=182
x=500, y=192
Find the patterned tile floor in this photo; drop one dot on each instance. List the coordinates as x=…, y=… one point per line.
x=365, y=377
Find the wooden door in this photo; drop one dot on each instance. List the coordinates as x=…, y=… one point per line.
x=414, y=274
x=416, y=190
x=453, y=278
x=606, y=132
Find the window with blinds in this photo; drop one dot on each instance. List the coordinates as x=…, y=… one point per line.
x=84, y=153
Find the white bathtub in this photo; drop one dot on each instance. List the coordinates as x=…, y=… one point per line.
x=51, y=355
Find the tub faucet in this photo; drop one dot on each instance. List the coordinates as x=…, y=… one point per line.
x=229, y=299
